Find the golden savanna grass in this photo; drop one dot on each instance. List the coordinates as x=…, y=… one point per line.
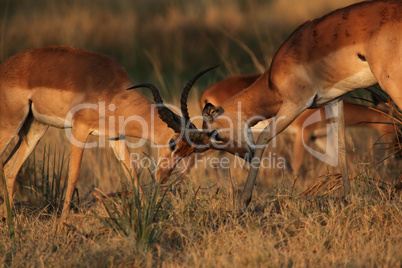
x=166, y=42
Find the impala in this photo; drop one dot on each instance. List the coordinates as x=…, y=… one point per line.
x=354, y=47
x=355, y=115
x=84, y=93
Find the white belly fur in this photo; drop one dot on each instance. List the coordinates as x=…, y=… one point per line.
x=364, y=78
x=49, y=120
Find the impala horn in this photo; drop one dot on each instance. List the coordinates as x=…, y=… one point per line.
x=195, y=136
x=186, y=91
x=171, y=119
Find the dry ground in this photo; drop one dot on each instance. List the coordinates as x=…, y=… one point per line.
x=206, y=229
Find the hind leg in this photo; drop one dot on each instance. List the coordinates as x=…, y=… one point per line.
x=11, y=123
x=390, y=80
x=387, y=71
x=394, y=90
x=30, y=134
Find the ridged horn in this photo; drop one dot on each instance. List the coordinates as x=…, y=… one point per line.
x=186, y=91
x=171, y=119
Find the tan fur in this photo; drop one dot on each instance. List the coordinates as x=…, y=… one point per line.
x=353, y=47
x=225, y=89
x=355, y=115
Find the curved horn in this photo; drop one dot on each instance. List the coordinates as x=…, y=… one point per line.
x=171, y=119
x=186, y=91
x=195, y=136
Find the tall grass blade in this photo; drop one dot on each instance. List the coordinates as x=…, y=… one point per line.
x=140, y=214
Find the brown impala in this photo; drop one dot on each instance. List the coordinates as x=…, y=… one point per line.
x=354, y=47
x=67, y=88
x=355, y=115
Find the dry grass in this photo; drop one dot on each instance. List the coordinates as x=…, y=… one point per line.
x=206, y=229
x=206, y=226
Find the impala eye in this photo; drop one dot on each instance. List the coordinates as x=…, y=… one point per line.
x=172, y=144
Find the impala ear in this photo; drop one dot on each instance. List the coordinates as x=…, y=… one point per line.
x=210, y=112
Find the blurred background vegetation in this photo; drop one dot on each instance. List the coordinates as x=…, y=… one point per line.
x=161, y=41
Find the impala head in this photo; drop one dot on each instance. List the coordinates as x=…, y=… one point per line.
x=186, y=138
x=228, y=131
x=177, y=149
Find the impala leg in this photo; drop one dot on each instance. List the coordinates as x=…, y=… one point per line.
x=11, y=122
x=6, y=136
x=122, y=154
x=286, y=115
x=302, y=137
x=30, y=135
x=336, y=112
x=76, y=151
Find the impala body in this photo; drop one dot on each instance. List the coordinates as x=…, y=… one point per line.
x=355, y=115
x=83, y=92
x=353, y=47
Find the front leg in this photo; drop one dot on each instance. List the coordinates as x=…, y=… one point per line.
x=302, y=138
x=76, y=150
x=335, y=111
x=122, y=154
x=286, y=115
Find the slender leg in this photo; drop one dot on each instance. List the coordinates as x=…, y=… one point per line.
x=299, y=151
x=11, y=123
x=286, y=115
x=122, y=154
x=76, y=152
x=336, y=112
x=30, y=135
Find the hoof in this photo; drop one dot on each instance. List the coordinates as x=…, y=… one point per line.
x=245, y=200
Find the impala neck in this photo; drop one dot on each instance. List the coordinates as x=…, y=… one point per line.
x=156, y=130
x=141, y=119
x=256, y=103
